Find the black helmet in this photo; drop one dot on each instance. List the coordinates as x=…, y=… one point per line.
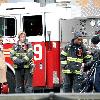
x=95, y=39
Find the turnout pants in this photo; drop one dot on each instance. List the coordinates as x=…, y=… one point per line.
x=23, y=81
x=72, y=82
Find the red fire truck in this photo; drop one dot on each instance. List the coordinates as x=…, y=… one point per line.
x=41, y=25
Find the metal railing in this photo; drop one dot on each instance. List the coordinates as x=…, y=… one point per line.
x=51, y=96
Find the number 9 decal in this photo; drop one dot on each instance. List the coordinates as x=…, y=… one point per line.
x=37, y=52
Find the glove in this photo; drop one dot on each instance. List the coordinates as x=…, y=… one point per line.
x=18, y=61
x=32, y=67
x=88, y=65
x=25, y=60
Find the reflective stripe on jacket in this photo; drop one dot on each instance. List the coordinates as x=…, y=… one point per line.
x=69, y=58
x=18, y=52
x=69, y=72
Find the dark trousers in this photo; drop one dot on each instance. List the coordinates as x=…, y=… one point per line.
x=87, y=85
x=97, y=79
x=72, y=82
x=23, y=81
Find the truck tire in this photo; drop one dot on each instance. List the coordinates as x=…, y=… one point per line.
x=11, y=80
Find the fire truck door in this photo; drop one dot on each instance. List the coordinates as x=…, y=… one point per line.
x=33, y=26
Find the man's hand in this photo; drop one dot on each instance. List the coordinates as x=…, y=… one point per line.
x=18, y=61
x=82, y=69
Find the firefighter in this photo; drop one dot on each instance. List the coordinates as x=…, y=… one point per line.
x=95, y=52
x=96, y=57
x=3, y=69
x=72, y=58
x=22, y=54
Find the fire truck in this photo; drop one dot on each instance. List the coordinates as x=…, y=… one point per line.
x=41, y=25
x=48, y=28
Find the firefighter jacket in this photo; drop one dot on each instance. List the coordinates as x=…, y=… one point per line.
x=72, y=57
x=22, y=54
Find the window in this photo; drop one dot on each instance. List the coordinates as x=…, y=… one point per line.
x=1, y=26
x=32, y=25
x=9, y=26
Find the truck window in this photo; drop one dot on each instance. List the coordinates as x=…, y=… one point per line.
x=32, y=25
x=1, y=26
x=9, y=26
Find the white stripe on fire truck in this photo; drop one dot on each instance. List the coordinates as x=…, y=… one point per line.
x=6, y=53
x=5, y=50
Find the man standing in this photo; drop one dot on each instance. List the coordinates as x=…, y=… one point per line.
x=22, y=54
x=3, y=69
x=94, y=64
x=73, y=57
